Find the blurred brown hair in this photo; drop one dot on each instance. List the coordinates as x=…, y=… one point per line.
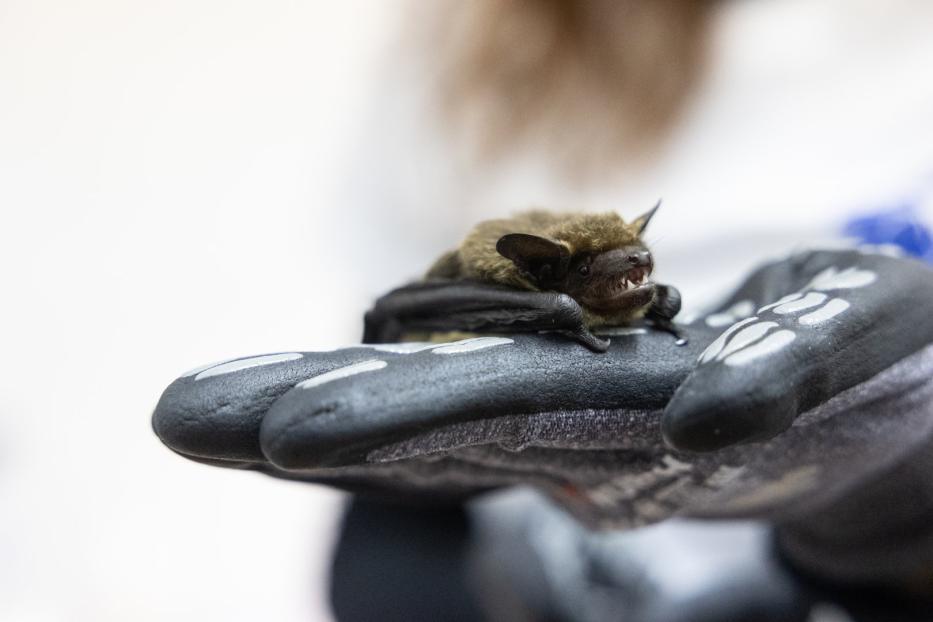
x=592, y=82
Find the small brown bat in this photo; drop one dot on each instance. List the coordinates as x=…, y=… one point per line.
x=539, y=270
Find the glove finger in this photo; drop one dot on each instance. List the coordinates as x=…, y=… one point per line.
x=214, y=412
x=846, y=317
x=343, y=418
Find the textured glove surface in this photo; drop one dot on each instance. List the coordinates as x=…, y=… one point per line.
x=772, y=409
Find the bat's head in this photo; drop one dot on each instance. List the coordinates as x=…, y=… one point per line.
x=598, y=260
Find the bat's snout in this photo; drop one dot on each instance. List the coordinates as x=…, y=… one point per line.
x=621, y=260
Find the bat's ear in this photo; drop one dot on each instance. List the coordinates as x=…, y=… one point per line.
x=540, y=258
x=641, y=222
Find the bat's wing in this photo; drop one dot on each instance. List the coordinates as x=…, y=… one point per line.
x=455, y=305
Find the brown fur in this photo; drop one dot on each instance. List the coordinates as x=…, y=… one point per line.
x=477, y=257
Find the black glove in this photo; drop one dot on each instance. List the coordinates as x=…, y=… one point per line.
x=820, y=359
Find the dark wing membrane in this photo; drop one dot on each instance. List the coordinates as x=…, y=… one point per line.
x=456, y=305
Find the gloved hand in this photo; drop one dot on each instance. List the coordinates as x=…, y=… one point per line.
x=810, y=384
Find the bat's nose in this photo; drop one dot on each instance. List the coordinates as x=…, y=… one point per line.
x=639, y=258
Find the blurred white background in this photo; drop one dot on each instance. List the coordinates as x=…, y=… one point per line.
x=183, y=182
x=162, y=167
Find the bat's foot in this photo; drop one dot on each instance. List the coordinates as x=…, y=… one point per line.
x=661, y=314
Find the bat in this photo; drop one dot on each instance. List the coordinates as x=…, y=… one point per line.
x=537, y=271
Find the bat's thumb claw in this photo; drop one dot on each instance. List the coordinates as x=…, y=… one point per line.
x=591, y=341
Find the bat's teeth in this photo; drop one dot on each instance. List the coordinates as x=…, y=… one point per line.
x=636, y=276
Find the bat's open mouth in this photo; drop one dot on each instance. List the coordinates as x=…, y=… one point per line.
x=632, y=290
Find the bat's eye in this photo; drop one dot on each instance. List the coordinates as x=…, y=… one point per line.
x=584, y=270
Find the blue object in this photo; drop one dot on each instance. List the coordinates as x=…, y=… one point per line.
x=899, y=226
